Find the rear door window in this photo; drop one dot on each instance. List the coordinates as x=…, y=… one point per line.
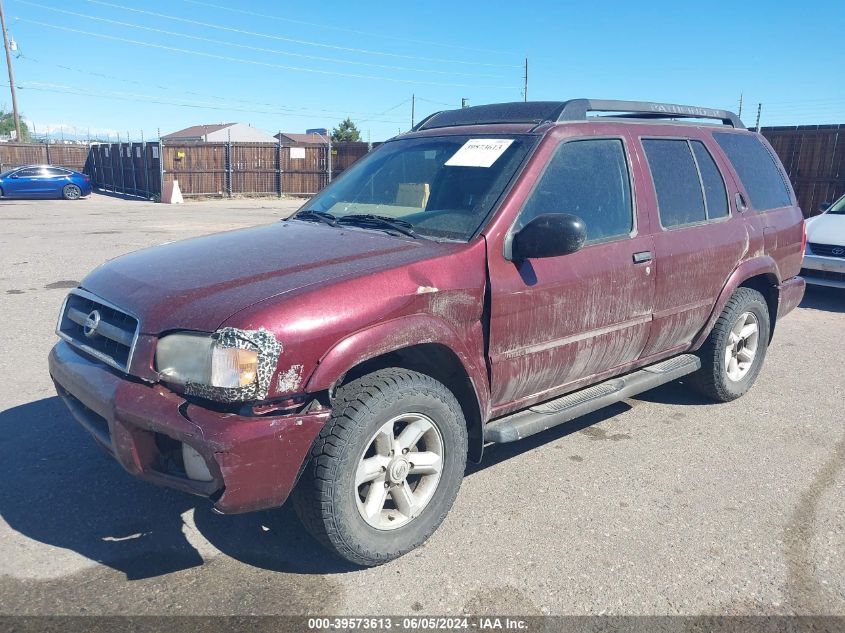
x=715, y=195
x=54, y=172
x=756, y=169
x=679, y=196
x=588, y=179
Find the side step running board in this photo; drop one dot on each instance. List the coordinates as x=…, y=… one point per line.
x=573, y=405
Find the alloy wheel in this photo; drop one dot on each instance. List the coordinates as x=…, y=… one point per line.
x=399, y=471
x=741, y=348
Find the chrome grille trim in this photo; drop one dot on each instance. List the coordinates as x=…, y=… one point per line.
x=116, y=333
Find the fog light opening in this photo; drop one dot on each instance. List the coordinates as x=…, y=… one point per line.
x=195, y=466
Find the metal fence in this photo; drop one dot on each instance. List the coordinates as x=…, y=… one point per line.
x=814, y=157
x=130, y=168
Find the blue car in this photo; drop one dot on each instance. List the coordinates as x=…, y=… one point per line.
x=44, y=181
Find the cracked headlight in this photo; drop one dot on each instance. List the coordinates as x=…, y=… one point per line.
x=197, y=358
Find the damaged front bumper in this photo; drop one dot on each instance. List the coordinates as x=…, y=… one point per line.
x=252, y=462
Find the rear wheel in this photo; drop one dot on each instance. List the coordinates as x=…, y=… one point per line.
x=71, y=192
x=386, y=468
x=733, y=354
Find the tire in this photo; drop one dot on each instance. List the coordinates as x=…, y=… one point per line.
x=71, y=192
x=726, y=373
x=330, y=501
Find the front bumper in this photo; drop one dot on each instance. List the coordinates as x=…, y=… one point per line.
x=254, y=462
x=824, y=271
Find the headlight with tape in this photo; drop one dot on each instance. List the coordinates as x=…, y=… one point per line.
x=231, y=365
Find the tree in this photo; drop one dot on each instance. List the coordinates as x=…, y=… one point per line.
x=7, y=125
x=346, y=131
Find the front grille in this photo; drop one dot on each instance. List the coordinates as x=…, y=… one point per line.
x=827, y=250
x=822, y=274
x=98, y=328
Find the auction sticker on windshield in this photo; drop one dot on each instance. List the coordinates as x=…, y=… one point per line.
x=479, y=152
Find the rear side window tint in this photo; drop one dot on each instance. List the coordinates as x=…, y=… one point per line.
x=676, y=182
x=756, y=169
x=588, y=179
x=714, y=187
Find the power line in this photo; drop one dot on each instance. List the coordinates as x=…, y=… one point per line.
x=72, y=90
x=344, y=29
x=188, y=51
x=448, y=105
x=260, y=49
x=282, y=109
x=297, y=41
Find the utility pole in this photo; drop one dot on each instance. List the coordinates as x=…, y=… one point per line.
x=413, y=104
x=525, y=87
x=18, y=137
x=759, y=109
x=739, y=114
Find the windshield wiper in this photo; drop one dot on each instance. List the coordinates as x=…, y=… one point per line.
x=312, y=215
x=382, y=221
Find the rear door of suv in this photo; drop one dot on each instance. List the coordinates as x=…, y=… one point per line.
x=698, y=237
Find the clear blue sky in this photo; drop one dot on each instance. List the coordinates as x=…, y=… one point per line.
x=287, y=66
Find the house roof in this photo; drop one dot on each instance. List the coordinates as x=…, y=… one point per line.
x=304, y=139
x=197, y=131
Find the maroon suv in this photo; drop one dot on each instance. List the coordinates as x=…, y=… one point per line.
x=495, y=272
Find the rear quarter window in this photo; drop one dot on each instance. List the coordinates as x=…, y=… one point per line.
x=756, y=169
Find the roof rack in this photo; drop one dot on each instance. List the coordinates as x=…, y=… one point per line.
x=573, y=110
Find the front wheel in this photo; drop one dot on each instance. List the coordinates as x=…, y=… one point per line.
x=733, y=354
x=71, y=192
x=386, y=468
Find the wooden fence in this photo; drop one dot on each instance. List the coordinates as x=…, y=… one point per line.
x=17, y=154
x=814, y=157
x=202, y=169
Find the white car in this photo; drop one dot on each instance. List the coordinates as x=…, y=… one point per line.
x=824, y=259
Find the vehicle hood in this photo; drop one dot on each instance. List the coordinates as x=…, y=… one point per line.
x=198, y=283
x=826, y=229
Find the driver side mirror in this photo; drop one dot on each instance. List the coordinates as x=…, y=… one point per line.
x=824, y=206
x=549, y=235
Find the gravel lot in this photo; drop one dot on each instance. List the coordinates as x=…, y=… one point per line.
x=663, y=504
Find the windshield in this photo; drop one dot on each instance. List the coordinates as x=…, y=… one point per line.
x=440, y=187
x=838, y=207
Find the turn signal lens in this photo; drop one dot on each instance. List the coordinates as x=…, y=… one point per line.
x=231, y=367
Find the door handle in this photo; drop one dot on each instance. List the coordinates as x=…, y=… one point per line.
x=642, y=257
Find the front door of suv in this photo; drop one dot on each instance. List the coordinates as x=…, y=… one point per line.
x=559, y=320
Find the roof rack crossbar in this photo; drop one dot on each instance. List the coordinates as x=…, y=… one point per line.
x=577, y=110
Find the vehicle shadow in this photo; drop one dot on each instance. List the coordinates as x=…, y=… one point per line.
x=62, y=490
x=824, y=298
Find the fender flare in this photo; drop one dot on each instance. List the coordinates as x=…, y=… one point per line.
x=397, y=334
x=762, y=265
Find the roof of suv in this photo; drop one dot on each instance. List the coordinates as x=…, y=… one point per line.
x=536, y=113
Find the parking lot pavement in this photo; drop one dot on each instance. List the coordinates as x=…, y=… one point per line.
x=663, y=504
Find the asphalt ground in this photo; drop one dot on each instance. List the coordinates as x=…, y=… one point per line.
x=663, y=504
